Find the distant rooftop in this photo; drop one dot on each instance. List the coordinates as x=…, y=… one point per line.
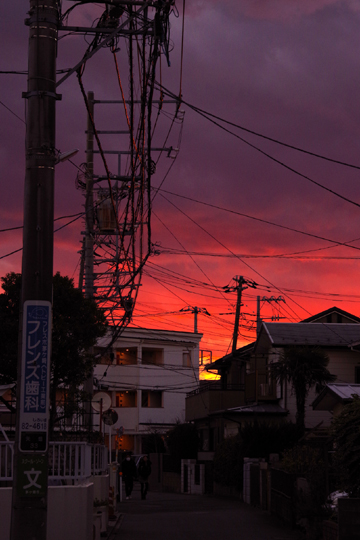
x=331, y=335
x=333, y=315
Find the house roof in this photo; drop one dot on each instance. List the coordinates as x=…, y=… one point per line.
x=149, y=335
x=335, y=393
x=330, y=335
x=259, y=409
x=331, y=311
x=240, y=354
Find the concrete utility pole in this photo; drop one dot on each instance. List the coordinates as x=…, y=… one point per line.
x=195, y=310
x=239, y=287
x=265, y=299
x=30, y=480
x=89, y=204
x=89, y=242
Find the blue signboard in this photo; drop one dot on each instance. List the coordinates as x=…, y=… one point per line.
x=35, y=376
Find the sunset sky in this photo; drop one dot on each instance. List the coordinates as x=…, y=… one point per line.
x=233, y=202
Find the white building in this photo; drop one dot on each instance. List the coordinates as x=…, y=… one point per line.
x=146, y=374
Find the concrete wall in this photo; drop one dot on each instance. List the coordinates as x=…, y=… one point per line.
x=101, y=486
x=70, y=512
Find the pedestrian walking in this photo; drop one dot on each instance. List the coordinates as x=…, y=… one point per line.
x=128, y=473
x=144, y=471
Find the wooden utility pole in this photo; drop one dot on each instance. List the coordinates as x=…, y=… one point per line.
x=30, y=479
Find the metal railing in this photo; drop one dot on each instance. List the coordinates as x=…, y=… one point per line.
x=67, y=460
x=216, y=386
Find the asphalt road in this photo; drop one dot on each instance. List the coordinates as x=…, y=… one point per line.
x=169, y=516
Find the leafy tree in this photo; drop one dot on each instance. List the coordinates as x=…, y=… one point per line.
x=183, y=441
x=307, y=462
x=346, y=433
x=153, y=443
x=77, y=324
x=304, y=368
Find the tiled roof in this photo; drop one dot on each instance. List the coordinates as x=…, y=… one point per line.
x=330, y=335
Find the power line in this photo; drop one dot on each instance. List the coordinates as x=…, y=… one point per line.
x=262, y=220
x=257, y=134
x=174, y=251
x=291, y=169
x=12, y=112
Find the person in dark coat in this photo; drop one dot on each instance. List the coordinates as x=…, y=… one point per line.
x=144, y=471
x=128, y=473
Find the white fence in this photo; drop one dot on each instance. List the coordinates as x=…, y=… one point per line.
x=67, y=460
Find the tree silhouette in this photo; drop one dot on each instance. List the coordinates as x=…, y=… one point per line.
x=77, y=324
x=304, y=367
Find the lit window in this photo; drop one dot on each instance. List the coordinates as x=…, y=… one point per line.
x=126, y=398
x=126, y=356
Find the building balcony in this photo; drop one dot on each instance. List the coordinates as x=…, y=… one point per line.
x=212, y=397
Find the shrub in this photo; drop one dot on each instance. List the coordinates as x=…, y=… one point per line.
x=254, y=440
x=228, y=463
x=346, y=433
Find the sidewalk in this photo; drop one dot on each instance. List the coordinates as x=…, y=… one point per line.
x=171, y=516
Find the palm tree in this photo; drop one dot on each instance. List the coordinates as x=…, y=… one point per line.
x=303, y=367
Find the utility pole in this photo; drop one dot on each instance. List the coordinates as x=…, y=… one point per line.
x=30, y=479
x=239, y=287
x=265, y=299
x=88, y=244
x=258, y=319
x=89, y=204
x=195, y=310
x=240, y=281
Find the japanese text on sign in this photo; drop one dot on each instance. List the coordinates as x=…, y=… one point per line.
x=35, y=366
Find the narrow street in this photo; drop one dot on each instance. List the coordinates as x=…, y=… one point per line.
x=170, y=516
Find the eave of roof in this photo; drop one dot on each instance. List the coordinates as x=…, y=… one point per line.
x=240, y=354
x=334, y=393
x=262, y=409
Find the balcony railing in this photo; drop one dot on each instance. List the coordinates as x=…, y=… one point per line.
x=212, y=397
x=67, y=460
x=216, y=386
